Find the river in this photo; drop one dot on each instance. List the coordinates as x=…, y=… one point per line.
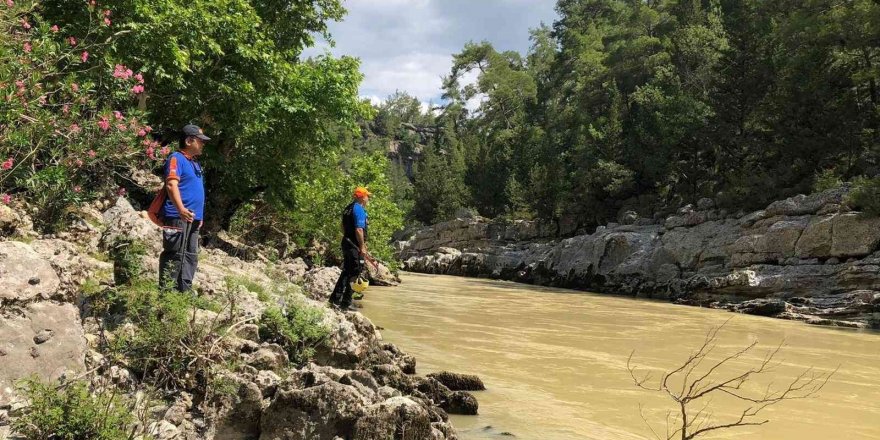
x=554, y=361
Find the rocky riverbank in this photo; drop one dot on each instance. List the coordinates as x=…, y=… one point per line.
x=355, y=387
x=806, y=258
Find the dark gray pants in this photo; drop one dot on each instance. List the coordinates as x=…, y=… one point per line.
x=352, y=265
x=180, y=254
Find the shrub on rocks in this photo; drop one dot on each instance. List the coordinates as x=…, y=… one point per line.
x=297, y=327
x=71, y=411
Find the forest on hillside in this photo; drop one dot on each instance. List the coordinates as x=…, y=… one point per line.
x=647, y=106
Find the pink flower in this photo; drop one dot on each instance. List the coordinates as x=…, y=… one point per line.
x=107, y=21
x=151, y=153
x=6, y=197
x=74, y=87
x=77, y=189
x=54, y=28
x=71, y=41
x=165, y=151
x=138, y=89
x=74, y=128
x=25, y=24
x=104, y=124
x=10, y=3
x=85, y=56
x=79, y=163
x=27, y=47
x=118, y=115
x=65, y=108
x=140, y=78
x=142, y=133
x=120, y=192
x=106, y=12
x=7, y=164
x=91, y=2
x=148, y=129
x=92, y=154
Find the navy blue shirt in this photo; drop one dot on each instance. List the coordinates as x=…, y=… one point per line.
x=188, y=174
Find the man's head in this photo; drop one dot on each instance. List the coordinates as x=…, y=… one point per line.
x=193, y=140
x=362, y=195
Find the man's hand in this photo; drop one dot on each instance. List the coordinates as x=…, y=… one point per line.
x=187, y=215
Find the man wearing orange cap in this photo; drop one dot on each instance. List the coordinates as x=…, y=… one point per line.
x=354, y=247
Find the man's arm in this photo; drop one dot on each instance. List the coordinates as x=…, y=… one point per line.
x=174, y=193
x=362, y=245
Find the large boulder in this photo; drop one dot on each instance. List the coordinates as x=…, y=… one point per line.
x=319, y=282
x=398, y=418
x=10, y=221
x=806, y=204
x=24, y=274
x=854, y=235
x=321, y=412
x=815, y=241
x=123, y=221
x=72, y=264
x=459, y=382
x=236, y=415
x=45, y=340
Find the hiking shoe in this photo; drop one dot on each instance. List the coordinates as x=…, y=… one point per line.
x=348, y=308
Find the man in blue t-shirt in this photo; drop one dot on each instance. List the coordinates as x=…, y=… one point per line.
x=354, y=248
x=183, y=211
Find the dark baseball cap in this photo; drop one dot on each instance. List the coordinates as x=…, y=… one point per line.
x=195, y=131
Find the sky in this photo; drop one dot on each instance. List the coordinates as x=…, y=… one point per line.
x=408, y=45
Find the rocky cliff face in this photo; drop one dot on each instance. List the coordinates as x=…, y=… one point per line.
x=357, y=387
x=805, y=258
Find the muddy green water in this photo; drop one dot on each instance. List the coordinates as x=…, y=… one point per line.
x=554, y=360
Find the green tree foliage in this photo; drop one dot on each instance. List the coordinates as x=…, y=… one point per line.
x=235, y=68
x=651, y=105
x=324, y=193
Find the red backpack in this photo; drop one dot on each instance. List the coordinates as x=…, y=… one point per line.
x=156, y=207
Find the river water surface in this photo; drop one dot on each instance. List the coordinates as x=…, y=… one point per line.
x=554, y=361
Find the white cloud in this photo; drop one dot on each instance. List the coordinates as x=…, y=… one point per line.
x=407, y=45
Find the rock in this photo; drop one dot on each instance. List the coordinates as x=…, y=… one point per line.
x=251, y=332
x=24, y=274
x=398, y=418
x=319, y=282
x=295, y=270
x=164, y=430
x=381, y=275
x=705, y=204
x=628, y=218
x=816, y=239
x=43, y=336
x=761, y=307
x=461, y=402
x=854, y=235
x=459, y=382
x=64, y=352
x=10, y=221
x=122, y=221
x=268, y=357
x=268, y=382
x=236, y=416
x=317, y=413
x=802, y=204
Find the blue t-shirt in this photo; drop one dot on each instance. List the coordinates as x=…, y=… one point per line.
x=360, y=216
x=188, y=173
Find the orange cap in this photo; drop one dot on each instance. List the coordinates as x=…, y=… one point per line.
x=361, y=192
